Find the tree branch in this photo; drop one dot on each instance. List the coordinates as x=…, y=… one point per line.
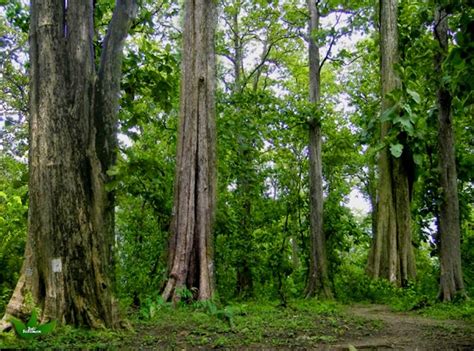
x=333, y=41
x=108, y=82
x=141, y=20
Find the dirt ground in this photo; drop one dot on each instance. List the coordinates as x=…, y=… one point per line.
x=360, y=327
x=303, y=327
x=406, y=331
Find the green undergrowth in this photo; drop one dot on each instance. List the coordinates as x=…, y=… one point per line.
x=67, y=338
x=415, y=297
x=252, y=324
x=304, y=323
x=418, y=297
x=462, y=309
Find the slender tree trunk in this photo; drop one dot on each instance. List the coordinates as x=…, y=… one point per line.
x=67, y=270
x=191, y=258
x=451, y=280
x=372, y=190
x=244, y=189
x=318, y=282
x=238, y=55
x=244, y=174
x=392, y=255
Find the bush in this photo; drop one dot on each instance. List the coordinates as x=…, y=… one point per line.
x=13, y=218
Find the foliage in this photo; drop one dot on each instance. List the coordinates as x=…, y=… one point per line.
x=13, y=213
x=467, y=252
x=262, y=215
x=143, y=184
x=254, y=325
x=32, y=328
x=14, y=79
x=143, y=176
x=66, y=337
x=460, y=309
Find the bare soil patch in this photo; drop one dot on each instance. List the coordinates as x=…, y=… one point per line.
x=407, y=331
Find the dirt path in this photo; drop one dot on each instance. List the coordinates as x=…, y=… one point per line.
x=407, y=331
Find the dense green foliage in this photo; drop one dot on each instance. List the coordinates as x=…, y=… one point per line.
x=305, y=324
x=13, y=211
x=261, y=238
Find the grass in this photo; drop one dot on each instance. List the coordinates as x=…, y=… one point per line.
x=304, y=323
x=463, y=310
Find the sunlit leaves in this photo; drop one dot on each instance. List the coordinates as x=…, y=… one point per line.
x=13, y=213
x=396, y=150
x=150, y=84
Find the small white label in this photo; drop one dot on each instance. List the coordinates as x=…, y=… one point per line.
x=56, y=265
x=29, y=272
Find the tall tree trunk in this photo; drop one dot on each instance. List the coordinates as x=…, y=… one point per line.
x=451, y=280
x=392, y=255
x=67, y=271
x=191, y=258
x=244, y=172
x=318, y=282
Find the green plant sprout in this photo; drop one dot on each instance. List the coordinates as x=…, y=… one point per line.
x=32, y=328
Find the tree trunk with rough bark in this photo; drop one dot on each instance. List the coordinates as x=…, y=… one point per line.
x=451, y=280
x=318, y=280
x=191, y=247
x=392, y=254
x=67, y=267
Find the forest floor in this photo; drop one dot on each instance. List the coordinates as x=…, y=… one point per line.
x=357, y=327
x=402, y=330
x=304, y=325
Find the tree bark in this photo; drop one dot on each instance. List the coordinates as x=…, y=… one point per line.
x=451, y=280
x=67, y=271
x=191, y=256
x=391, y=255
x=318, y=281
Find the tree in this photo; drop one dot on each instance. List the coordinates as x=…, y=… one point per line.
x=73, y=106
x=250, y=39
x=14, y=79
x=451, y=280
x=318, y=281
x=190, y=255
x=392, y=255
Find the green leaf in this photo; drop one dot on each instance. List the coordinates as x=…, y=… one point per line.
x=407, y=125
x=19, y=325
x=32, y=329
x=20, y=329
x=418, y=159
x=414, y=95
x=33, y=322
x=388, y=114
x=47, y=328
x=396, y=150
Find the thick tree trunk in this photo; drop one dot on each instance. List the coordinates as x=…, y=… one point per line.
x=318, y=281
x=191, y=258
x=451, y=280
x=392, y=255
x=69, y=248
